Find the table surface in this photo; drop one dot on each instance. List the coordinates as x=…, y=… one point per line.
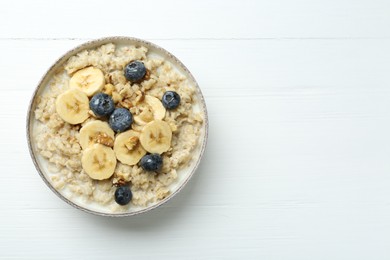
x=297, y=164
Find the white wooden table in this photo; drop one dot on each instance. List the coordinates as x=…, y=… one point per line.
x=298, y=160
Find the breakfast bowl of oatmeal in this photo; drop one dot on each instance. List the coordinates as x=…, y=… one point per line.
x=117, y=126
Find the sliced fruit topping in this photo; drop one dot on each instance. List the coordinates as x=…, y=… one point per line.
x=152, y=109
x=156, y=137
x=90, y=80
x=101, y=104
x=96, y=132
x=127, y=147
x=98, y=161
x=152, y=162
x=72, y=106
x=120, y=120
x=135, y=71
x=171, y=100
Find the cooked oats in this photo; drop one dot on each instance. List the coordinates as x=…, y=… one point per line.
x=58, y=141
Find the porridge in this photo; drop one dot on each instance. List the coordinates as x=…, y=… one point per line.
x=116, y=125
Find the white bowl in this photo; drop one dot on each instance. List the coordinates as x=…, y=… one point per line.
x=40, y=163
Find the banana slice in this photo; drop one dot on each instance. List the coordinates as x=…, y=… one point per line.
x=153, y=110
x=127, y=147
x=96, y=132
x=98, y=161
x=90, y=80
x=73, y=106
x=156, y=137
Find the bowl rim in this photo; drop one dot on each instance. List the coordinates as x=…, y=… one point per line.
x=93, y=44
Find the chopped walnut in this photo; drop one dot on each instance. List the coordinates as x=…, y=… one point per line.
x=132, y=143
x=108, y=88
x=116, y=97
x=139, y=98
x=146, y=115
x=103, y=138
x=118, y=182
x=126, y=103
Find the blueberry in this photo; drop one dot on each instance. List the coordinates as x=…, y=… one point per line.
x=170, y=100
x=120, y=120
x=101, y=104
x=152, y=162
x=135, y=71
x=123, y=195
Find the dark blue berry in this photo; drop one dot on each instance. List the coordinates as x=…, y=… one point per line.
x=170, y=100
x=123, y=195
x=135, y=71
x=152, y=162
x=101, y=104
x=120, y=120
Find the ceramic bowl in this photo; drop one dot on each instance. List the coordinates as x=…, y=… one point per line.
x=184, y=175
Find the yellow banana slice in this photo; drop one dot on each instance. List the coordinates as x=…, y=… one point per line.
x=73, y=106
x=153, y=109
x=98, y=161
x=156, y=137
x=90, y=80
x=96, y=132
x=127, y=147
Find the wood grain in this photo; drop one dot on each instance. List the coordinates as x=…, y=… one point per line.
x=297, y=161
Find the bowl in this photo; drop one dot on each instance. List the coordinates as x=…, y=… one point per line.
x=42, y=165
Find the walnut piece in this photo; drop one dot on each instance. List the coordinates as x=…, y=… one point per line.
x=126, y=103
x=103, y=138
x=132, y=143
x=146, y=115
x=108, y=88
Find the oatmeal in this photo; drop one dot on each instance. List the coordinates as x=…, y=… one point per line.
x=116, y=119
